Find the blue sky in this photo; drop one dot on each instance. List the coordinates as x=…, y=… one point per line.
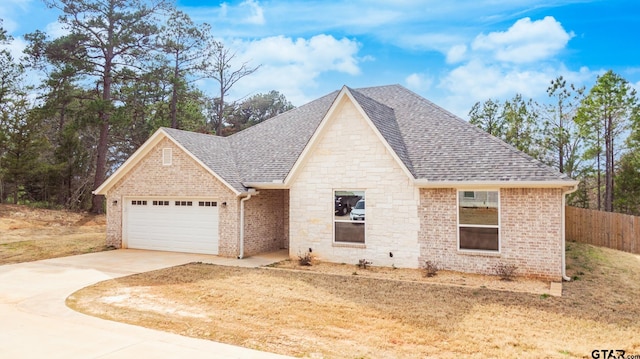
x=452, y=52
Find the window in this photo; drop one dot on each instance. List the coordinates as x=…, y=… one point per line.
x=479, y=220
x=167, y=155
x=469, y=194
x=138, y=203
x=184, y=203
x=349, y=217
x=207, y=204
x=160, y=203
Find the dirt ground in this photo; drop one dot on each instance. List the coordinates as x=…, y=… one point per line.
x=28, y=234
x=386, y=313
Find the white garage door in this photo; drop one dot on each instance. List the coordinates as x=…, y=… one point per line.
x=177, y=225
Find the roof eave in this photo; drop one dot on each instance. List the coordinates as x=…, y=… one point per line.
x=265, y=185
x=423, y=183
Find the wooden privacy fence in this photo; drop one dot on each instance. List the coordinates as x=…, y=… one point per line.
x=606, y=229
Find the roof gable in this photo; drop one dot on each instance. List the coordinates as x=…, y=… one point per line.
x=200, y=144
x=377, y=110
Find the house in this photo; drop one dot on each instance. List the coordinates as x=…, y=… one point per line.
x=431, y=187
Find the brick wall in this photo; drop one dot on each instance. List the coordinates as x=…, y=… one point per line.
x=530, y=232
x=265, y=228
x=183, y=178
x=349, y=156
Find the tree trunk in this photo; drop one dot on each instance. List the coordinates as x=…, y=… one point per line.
x=608, y=191
x=561, y=139
x=599, y=155
x=220, y=108
x=97, y=202
x=174, y=98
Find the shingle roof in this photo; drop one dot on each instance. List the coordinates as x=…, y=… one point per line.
x=213, y=151
x=444, y=147
x=267, y=151
x=433, y=144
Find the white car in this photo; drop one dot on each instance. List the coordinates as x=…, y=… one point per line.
x=357, y=212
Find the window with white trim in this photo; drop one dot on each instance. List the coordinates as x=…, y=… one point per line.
x=349, y=217
x=479, y=221
x=167, y=156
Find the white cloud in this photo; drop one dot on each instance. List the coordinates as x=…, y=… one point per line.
x=255, y=12
x=293, y=65
x=429, y=41
x=418, y=82
x=247, y=12
x=8, y=11
x=16, y=47
x=56, y=30
x=479, y=81
x=525, y=41
x=456, y=53
x=319, y=53
x=499, y=65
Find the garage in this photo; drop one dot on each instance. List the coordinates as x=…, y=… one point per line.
x=177, y=225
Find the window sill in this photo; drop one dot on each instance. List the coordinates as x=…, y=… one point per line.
x=349, y=245
x=479, y=253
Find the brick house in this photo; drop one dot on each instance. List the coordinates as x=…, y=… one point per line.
x=378, y=173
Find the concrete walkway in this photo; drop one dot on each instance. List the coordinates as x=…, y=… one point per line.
x=36, y=323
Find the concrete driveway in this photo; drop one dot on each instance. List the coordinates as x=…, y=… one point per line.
x=36, y=323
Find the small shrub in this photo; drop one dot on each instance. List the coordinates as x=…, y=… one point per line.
x=505, y=271
x=544, y=296
x=363, y=263
x=430, y=268
x=305, y=259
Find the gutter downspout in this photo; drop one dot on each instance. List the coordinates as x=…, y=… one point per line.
x=564, y=233
x=249, y=194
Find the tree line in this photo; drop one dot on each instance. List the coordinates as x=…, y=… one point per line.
x=123, y=69
x=592, y=136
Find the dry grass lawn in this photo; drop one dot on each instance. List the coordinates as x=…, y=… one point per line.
x=29, y=234
x=315, y=314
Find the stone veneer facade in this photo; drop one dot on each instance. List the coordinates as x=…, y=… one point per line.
x=530, y=232
x=185, y=178
x=349, y=156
